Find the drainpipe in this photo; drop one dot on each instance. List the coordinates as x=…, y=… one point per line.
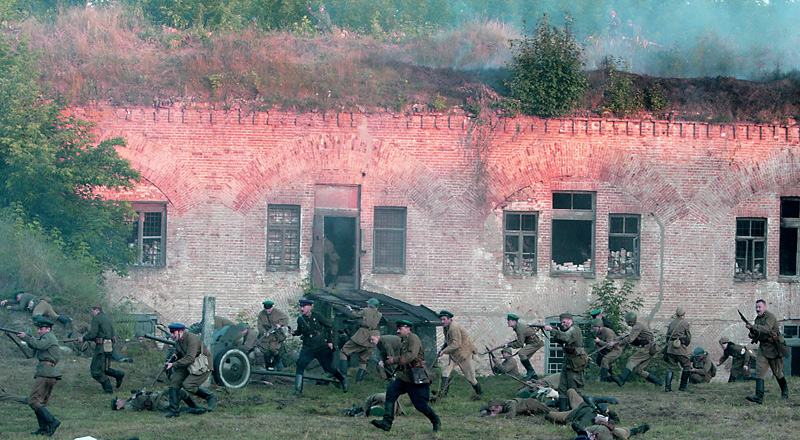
x=660, y=269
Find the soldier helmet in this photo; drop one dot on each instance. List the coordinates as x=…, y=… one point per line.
x=680, y=312
x=97, y=306
x=373, y=302
x=506, y=351
x=630, y=317
x=597, y=322
x=495, y=402
x=724, y=340
x=565, y=315
x=699, y=351
x=372, y=333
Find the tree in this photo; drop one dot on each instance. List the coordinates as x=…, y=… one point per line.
x=546, y=70
x=51, y=168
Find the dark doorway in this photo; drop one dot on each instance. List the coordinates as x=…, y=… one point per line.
x=340, y=251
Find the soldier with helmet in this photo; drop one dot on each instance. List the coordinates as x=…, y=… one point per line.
x=527, y=341
x=606, y=356
x=575, y=357
x=506, y=364
x=679, y=336
x=740, y=359
x=703, y=369
x=643, y=339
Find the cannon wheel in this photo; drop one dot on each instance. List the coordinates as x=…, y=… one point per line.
x=232, y=368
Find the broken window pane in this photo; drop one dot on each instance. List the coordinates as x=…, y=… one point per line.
x=519, y=248
x=389, y=240
x=750, y=248
x=149, y=229
x=623, y=245
x=283, y=236
x=572, y=245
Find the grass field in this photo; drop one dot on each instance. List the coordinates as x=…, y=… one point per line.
x=717, y=410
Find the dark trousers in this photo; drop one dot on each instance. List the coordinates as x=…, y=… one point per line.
x=419, y=394
x=324, y=356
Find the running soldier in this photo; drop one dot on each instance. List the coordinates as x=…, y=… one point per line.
x=190, y=369
x=643, y=339
x=606, y=356
x=773, y=348
x=459, y=347
x=575, y=357
x=272, y=323
x=527, y=341
x=369, y=318
x=101, y=331
x=740, y=359
x=317, y=344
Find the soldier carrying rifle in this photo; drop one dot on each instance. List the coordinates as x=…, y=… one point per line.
x=767, y=333
x=527, y=341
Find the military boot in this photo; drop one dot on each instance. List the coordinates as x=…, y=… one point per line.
x=652, y=378
x=759, y=396
x=731, y=378
x=174, y=402
x=668, y=382
x=626, y=373
x=388, y=417
x=342, y=378
x=685, y=382
x=298, y=386
x=51, y=423
x=784, y=388
x=436, y=422
x=66, y=322
x=116, y=374
x=640, y=429
x=578, y=428
x=106, y=384
x=563, y=404
x=530, y=372
x=211, y=398
x=360, y=375
x=478, y=391
x=343, y=365
x=604, y=375
x=42, y=422
x=443, y=387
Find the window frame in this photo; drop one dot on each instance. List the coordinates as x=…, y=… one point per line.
x=521, y=234
x=637, y=244
x=283, y=266
x=751, y=240
x=376, y=241
x=794, y=224
x=574, y=214
x=142, y=208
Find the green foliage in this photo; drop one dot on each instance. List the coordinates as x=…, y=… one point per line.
x=621, y=96
x=439, y=103
x=655, y=98
x=277, y=14
x=51, y=167
x=546, y=70
x=184, y=14
x=615, y=301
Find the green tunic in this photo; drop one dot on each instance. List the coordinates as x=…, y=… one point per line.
x=412, y=354
x=46, y=352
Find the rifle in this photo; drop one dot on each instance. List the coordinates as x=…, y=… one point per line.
x=162, y=370
x=541, y=327
x=62, y=341
x=609, y=342
x=518, y=380
x=343, y=304
x=491, y=359
x=8, y=333
x=743, y=318
x=492, y=350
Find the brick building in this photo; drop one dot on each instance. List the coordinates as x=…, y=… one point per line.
x=521, y=215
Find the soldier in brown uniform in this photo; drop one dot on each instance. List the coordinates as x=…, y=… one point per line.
x=369, y=318
x=388, y=346
x=147, y=401
x=514, y=407
x=411, y=378
x=740, y=355
x=679, y=336
x=506, y=364
x=767, y=333
x=37, y=306
x=272, y=327
x=190, y=369
x=575, y=357
x=643, y=339
x=373, y=406
x=45, y=350
x=459, y=347
x=101, y=331
x=703, y=369
x=606, y=356
x=527, y=341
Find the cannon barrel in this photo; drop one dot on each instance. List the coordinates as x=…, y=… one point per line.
x=159, y=339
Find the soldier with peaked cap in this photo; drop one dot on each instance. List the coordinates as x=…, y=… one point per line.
x=527, y=341
x=45, y=350
x=317, y=344
x=190, y=369
x=679, y=337
x=369, y=318
x=506, y=364
x=575, y=357
x=411, y=378
x=703, y=369
x=101, y=331
x=740, y=359
x=598, y=314
x=459, y=347
x=766, y=331
x=644, y=340
x=272, y=330
x=606, y=356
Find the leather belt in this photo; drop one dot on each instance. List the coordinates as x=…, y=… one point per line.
x=48, y=363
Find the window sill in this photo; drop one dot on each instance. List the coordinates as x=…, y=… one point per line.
x=282, y=269
x=389, y=271
x=519, y=276
x=755, y=280
x=786, y=279
x=623, y=277
x=587, y=275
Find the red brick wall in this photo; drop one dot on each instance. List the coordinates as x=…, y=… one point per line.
x=219, y=170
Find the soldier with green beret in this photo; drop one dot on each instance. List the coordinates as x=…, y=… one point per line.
x=575, y=357
x=368, y=320
x=740, y=359
x=272, y=331
x=190, y=369
x=606, y=356
x=703, y=369
x=527, y=341
x=459, y=347
x=679, y=336
x=644, y=340
x=411, y=378
x=101, y=332
x=45, y=350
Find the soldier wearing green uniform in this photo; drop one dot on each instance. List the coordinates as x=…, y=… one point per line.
x=643, y=339
x=272, y=325
x=527, y=341
x=101, y=332
x=606, y=356
x=388, y=346
x=160, y=401
x=369, y=318
x=575, y=357
x=411, y=378
x=22, y=301
x=458, y=346
x=45, y=350
x=506, y=364
x=514, y=407
x=373, y=406
x=740, y=359
x=317, y=344
x=703, y=369
x=190, y=369
x=767, y=333
x=679, y=336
